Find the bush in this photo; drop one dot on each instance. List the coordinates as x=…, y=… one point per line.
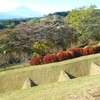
x=84, y=52
x=40, y=59
x=97, y=49
x=68, y=55
x=49, y=58
x=80, y=51
x=63, y=55
x=75, y=52
x=36, y=61
x=89, y=49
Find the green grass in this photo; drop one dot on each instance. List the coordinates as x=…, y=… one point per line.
x=55, y=91
x=11, y=80
x=14, y=66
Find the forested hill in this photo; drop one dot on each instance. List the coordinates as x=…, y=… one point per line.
x=11, y=23
x=50, y=33
x=64, y=13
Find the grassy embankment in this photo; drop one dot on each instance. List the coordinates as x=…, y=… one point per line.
x=74, y=89
x=11, y=80
x=48, y=73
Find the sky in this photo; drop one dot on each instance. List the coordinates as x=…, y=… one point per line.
x=46, y=6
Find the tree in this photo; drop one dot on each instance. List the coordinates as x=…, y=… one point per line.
x=58, y=37
x=86, y=21
x=40, y=48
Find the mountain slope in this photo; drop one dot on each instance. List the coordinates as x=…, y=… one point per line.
x=25, y=12
x=20, y=12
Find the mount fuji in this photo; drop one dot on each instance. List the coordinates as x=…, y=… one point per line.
x=20, y=12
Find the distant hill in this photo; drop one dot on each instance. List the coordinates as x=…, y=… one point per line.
x=20, y=12
x=64, y=13
x=5, y=15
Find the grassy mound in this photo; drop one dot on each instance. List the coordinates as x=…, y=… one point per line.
x=63, y=76
x=28, y=84
x=47, y=73
x=94, y=69
x=82, y=87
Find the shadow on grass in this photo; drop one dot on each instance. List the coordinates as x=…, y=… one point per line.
x=12, y=67
x=70, y=76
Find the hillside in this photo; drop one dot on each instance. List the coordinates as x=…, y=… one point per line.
x=55, y=56
x=86, y=88
x=20, y=41
x=78, y=67
x=85, y=83
x=25, y=34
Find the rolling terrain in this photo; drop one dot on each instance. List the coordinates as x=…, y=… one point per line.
x=54, y=57
x=47, y=82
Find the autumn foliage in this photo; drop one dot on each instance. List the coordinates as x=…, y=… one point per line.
x=75, y=52
x=49, y=58
x=97, y=49
x=89, y=49
x=36, y=61
x=64, y=55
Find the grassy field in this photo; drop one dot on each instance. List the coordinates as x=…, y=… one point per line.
x=49, y=79
x=14, y=66
x=74, y=89
x=47, y=73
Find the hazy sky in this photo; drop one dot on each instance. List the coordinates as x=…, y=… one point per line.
x=46, y=6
